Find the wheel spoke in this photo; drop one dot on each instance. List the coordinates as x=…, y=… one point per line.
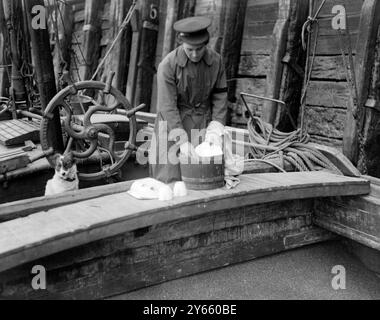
x=132, y=112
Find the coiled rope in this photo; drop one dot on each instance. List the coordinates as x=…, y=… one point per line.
x=288, y=148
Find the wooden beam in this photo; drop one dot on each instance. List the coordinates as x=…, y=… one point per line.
x=136, y=25
x=186, y=8
x=147, y=57
x=232, y=41
x=170, y=34
x=118, y=60
x=279, y=41
x=92, y=34
x=44, y=68
x=294, y=65
x=24, y=208
x=365, y=52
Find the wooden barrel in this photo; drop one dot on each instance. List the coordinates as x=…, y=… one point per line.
x=203, y=174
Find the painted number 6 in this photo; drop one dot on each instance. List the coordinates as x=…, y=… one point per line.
x=153, y=12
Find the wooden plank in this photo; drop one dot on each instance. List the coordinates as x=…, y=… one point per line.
x=351, y=6
x=253, y=65
x=16, y=132
x=355, y=218
x=329, y=45
x=260, y=28
x=328, y=94
x=329, y=68
x=13, y=161
x=369, y=24
x=24, y=208
x=327, y=141
x=325, y=28
x=263, y=11
x=326, y=122
x=256, y=45
x=92, y=220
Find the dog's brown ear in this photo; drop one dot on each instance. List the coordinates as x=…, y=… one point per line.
x=69, y=157
x=55, y=158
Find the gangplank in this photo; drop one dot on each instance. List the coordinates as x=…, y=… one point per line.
x=109, y=243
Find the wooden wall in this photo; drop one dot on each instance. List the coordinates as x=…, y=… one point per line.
x=261, y=17
x=328, y=94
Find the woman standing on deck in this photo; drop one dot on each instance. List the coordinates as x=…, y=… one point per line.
x=192, y=95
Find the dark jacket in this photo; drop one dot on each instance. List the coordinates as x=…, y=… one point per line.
x=190, y=96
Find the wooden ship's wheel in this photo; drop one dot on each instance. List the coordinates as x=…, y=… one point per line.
x=86, y=109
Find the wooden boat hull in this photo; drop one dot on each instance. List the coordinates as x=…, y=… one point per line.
x=109, y=250
x=168, y=251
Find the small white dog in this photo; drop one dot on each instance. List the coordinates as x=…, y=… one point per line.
x=66, y=176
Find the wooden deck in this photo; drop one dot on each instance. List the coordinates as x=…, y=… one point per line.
x=140, y=243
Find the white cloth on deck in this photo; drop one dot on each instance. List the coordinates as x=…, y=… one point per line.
x=150, y=189
x=231, y=182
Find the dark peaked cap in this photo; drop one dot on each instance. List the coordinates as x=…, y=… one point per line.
x=193, y=30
